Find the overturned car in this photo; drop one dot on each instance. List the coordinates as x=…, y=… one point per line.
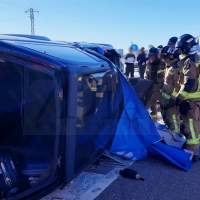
x=51, y=113
x=105, y=49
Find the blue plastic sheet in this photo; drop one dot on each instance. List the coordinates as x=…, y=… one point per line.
x=173, y=155
x=109, y=123
x=136, y=133
x=136, y=155
x=135, y=129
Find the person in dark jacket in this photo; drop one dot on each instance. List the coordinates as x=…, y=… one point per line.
x=143, y=89
x=141, y=62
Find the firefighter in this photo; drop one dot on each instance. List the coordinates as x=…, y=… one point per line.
x=155, y=72
x=90, y=94
x=87, y=91
x=170, y=89
x=188, y=98
x=160, y=47
x=172, y=42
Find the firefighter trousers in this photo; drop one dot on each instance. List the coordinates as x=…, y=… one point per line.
x=156, y=96
x=171, y=118
x=192, y=127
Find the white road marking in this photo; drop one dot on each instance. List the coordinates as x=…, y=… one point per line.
x=99, y=187
x=87, y=185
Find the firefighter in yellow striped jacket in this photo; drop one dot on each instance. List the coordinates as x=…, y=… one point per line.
x=155, y=71
x=188, y=98
x=87, y=87
x=171, y=87
x=90, y=94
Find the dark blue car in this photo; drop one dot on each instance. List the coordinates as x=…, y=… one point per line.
x=56, y=101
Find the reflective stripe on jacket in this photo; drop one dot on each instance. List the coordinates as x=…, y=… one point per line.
x=190, y=81
x=171, y=84
x=160, y=73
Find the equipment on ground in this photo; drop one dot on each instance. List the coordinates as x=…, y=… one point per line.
x=131, y=174
x=169, y=137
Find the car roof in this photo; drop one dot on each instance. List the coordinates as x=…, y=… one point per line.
x=27, y=38
x=55, y=51
x=91, y=45
x=108, y=47
x=36, y=37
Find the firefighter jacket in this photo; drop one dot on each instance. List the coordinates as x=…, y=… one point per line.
x=171, y=84
x=90, y=94
x=155, y=72
x=190, y=78
x=87, y=87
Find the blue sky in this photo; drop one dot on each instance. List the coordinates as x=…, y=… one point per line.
x=118, y=22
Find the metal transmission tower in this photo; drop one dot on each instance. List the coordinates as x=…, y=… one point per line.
x=31, y=11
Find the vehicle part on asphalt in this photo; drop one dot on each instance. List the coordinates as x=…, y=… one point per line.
x=131, y=174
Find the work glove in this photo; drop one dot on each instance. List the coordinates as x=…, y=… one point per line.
x=171, y=103
x=168, y=103
x=184, y=107
x=178, y=101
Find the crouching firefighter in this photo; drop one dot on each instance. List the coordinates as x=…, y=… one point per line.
x=171, y=87
x=188, y=98
x=87, y=91
x=155, y=72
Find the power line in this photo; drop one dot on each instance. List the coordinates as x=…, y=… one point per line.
x=10, y=9
x=53, y=26
x=11, y=4
x=14, y=18
x=31, y=11
x=16, y=7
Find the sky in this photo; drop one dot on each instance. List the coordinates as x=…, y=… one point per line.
x=117, y=22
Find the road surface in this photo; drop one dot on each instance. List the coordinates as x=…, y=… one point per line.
x=162, y=182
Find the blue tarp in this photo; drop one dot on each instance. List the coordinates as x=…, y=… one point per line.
x=173, y=155
x=136, y=132
x=135, y=129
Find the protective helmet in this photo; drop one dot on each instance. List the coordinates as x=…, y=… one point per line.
x=153, y=51
x=172, y=41
x=167, y=51
x=160, y=46
x=185, y=43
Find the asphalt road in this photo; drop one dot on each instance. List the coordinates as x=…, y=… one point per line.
x=162, y=182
